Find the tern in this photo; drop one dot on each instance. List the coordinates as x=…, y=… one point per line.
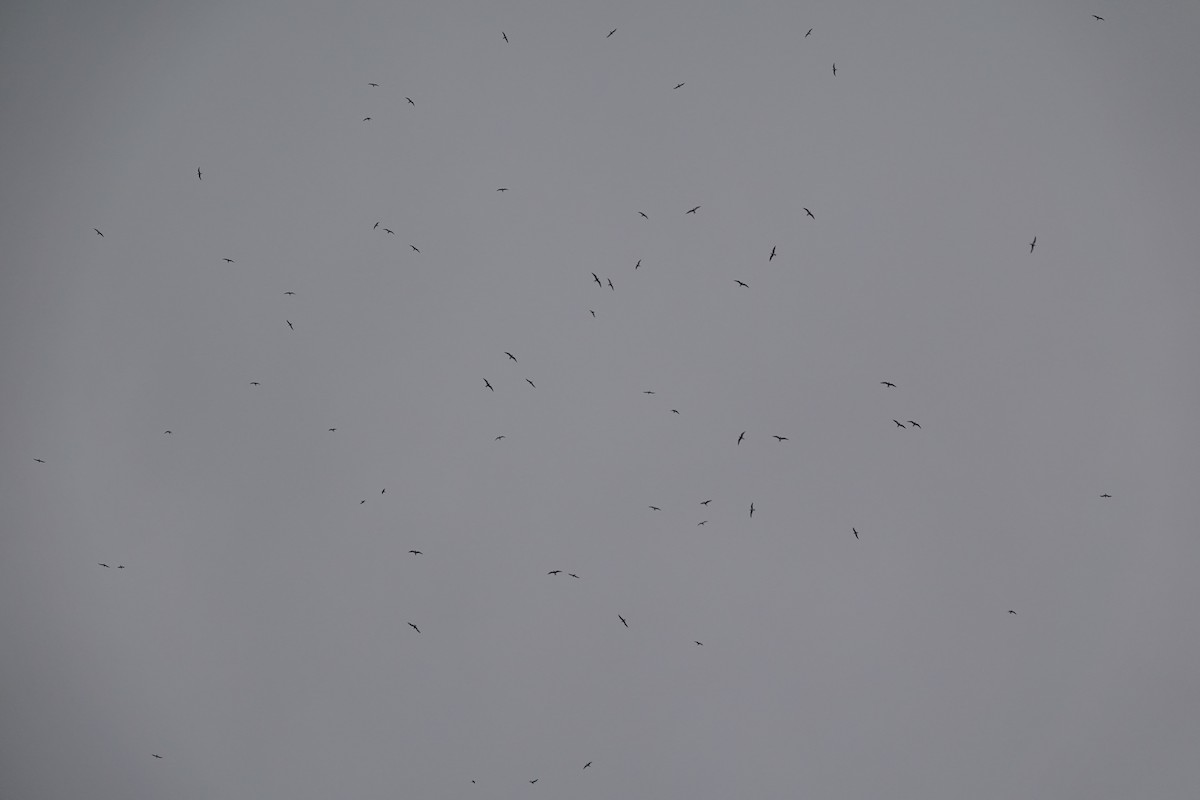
x=623, y=622
x=485, y=383
x=691, y=210
x=414, y=627
x=888, y=384
x=741, y=436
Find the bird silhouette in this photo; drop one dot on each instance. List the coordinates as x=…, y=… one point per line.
x=678, y=85
x=120, y=566
x=647, y=391
x=915, y=425
x=691, y=210
x=360, y=502
x=1011, y=611
x=106, y=566
x=366, y=119
x=638, y=264
x=1098, y=19
x=255, y=383
x=228, y=260
x=414, y=627
x=855, y=532
x=289, y=292
x=410, y=101
x=741, y=283
x=166, y=431
x=1106, y=495
x=623, y=622
x=592, y=312
x=701, y=522
x=502, y=189
x=505, y=35
x=889, y=385
x=554, y=572
x=530, y=382
x=510, y=355
x=835, y=69
x=376, y=225
x=373, y=84
x=810, y=30
x=706, y=502
x=485, y=383
x=416, y=552
x=752, y=511
x=97, y=230
x=806, y=211
x=899, y=424
x=741, y=436
x=501, y=436
x=655, y=508
x=572, y=574
x=1033, y=244
x=156, y=755
x=674, y=410
x=585, y=766
x=535, y=780
x=331, y=430
x=596, y=278
x=610, y=284
x=38, y=460
x=414, y=247
x=389, y=230
x=199, y=176
x=610, y=33
x=643, y=213
x=772, y=256
x=781, y=438
x=290, y=325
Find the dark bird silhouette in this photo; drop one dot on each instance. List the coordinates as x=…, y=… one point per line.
x=674, y=410
x=741, y=436
x=290, y=325
x=502, y=189
x=505, y=35
x=810, y=30
x=623, y=622
x=360, y=502
x=706, y=502
x=554, y=572
x=530, y=382
x=289, y=292
x=331, y=430
x=691, y=210
x=38, y=460
x=373, y=84
x=772, y=256
x=855, y=532
x=899, y=424
x=741, y=283
x=835, y=69
x=416, y=552
x=610, y=33
x=596, y=278
x=199, y=176
x=255, y=383
x=915, y=425
x=699, y=643
x=781, y=438
x=572, y=574
x=1033, y=244
x=752, y=511
x=1106, y=495
x=376, y=225
x=889, y=385
x=228, y=260
x=501, y=436
x=701, y=522
x=535, y=780
x=414, y=627
x=410, y=102
x=366, y=119
x=414, y=247
x=166, y=431
x=485, y=383
x=593, y=312
x=655, y=508
x=389, y=230
x=1098, y=19
x=585, y=766
x=106, y=566
x=97, y=230
x=1011, y=611
x=156, y=755
x=120, y=566
x=647, y=391
x=610, y=284
x=643, y=213
x=678, y=85
x=635, y=266
x=510, y=355
x=806, y=211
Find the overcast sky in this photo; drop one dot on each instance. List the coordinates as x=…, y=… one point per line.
x=257, y=636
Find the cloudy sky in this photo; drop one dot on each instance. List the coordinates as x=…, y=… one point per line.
x=257, y=636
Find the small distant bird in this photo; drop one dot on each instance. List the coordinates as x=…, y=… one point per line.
x=643, y=213
x=635, y=266
x=1033, y=244
x=915, y=425
x=810, y=30
x=889, y=385
x=331, y=430
x=290, y=325
x=585, y=766
x=501, y=436
x=156, y=755
x=120, y=566
x=706, y=502
x=416, y=552
x=485, y=383
x=106, y=566
x=655, y=508
x=414, y=247
x=535, y=780
x=510, y=355
x=530, y=382
x=674, y=410
x=410, y=102
x=835, y=69
x=770, y=257
x=596, y=278
x=899, y=424
x=752, y=511
x=38, y=460
x=623, y=622
x=228, y=260
x=647, y=391
x=701, y=522
x=502, y=189
x=691, y=210
x=610, y=284
x=360, y=502
x=1098, y=19
x=373, y=84
x=554, y=572
x=678, y=85
x=1011, y=611
x=572, y=574
x=855, y=532
x=505, y=35
x=97, y=230
x=741, y=283
x=289, y=292
x=1106, y=495
x=610, y=33
x=699, y=643
x=780, y=438
x=806, y=211
x=255, y=383
x=414, y=627
x=741, y=436
x=376, y=225
x=389, y=230
x=166, y=431
x=366, y=119
x=199, y=176
x=593, y=312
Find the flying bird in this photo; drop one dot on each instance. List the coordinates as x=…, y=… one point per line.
x=360, y=502
x=289, y=292
x=806, y=211
x=810, y=30
x=414, y=627
x=373, y=84
x=890, y=385
x=741, y=283
x=585, y=766
x=572, y=574
x=781, y=438
x=770, y=257
x=1033, y=244
x=166, y=431
x=485, y=383
x=366, y=119
x=530, y=382
x=290, y=325
x=899, y=424
x=915, y=425
x=510, y=355
x=610, y=33
x=706, y=502
x=635, y=266
x=623, y=622
x=554, y=572
x=701, y=522
x=416, y=552
x=1098, y=19
x=228, y=260
x=410, y=102
x=597, y=279
x=699, y=643
x=752, y=511
x=255, y=383
x=674, y=410
x=501, y=436
x=643, y=213
x=593, y=312
x=1011, y=611
x=610, y=284
x=655, y=508
x=106, y=566
x=97, y=230
x=414, y=247
x=835, y=69
x=647, y=391
x=1106, y=495
x=678, y=85
x=376, y=225
x=535, y=780
x=691, y=210
x=156, y=755
x=389, y=230
x=741, y=436
x=505, y=35
x=38, y=460
x=502, y=189
x=855, y=532
x=331, y=430
x=199, y=176
x=120, y=566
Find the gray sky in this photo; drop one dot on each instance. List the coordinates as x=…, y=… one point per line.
x=257, y=637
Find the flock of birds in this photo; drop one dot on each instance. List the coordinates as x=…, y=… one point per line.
x=909, y=424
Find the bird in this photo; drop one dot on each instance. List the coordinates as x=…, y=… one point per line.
x=199, y=176
x=289, y=292
x=166, y=431
x=106, y=566
x=530, y=382
x=501, y=436
x=701, y=522
x=638, y=264
x=366, y=119
x=502, y=189
x=678, y=85
x=505, y=35
x=647, y=391
x=810, y=30
x=360, y=502
x=780, y=438
x=643, y=213
x=120, y=566
x=705, y=502
x=510, y=355
x=741, y=436
x=610, y=285
x=899, y=424
x=585, y=766
x=414, y=247
x=623, y=622
x=835, y=69
x=806, y=211
x=372, y=84
x=752, y=511
x=290, y=325
x=596, y=278
x=376, y=225
x=255, y=383
x=331, y=430
x=572, y=574
x=772, y=253
x=1032, y=244
x=655, y=508
x=416, y=552
x=389, y=230
x=97, y=230
x=610, y=33
x=535, y=780
x=691, y=210
x=228, y=260
x=1098, y=19
x=1106, y=495
x=554, y=572
x=699, y=643
x=674, y=410
x=414, y=627
x=593, y=312
x=741, y=283
x=915, y=425
x=855, y=532
x=38, y=460
x=1011, y=611
x=888, y=384
x=410, y=101
x=485, y=383
x=156, y=755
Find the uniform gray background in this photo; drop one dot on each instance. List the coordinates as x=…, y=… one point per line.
x=257, y=638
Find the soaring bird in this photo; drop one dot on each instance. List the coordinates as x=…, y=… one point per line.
x=674, y=410
x=1098, y=19
x=366, y=119
x=410, y=102
x=752, y=511
x=643, y=213
x=741, y=436
x=510, y=355
x=691, y=210
x=706, y=502
x=199, y=176
x=414, y=247
x=915, y=425
x=416, y=552
x=835, y=69
x=781, y=438
x=373, y=84
x=166, y=431
x=289, y=292
x=255, y=383
x=772, y=253
x=1106, y=495
x=655, y=508
x=505, y=35
x=1011, y=611
x=120, y=566
x=360, y=502
x=554, y=572
x=156, y=755
x=1033, y=244
x=647, y=391
x=596, y=278
x=810, y=30
x=502, y=189
x=741, y=283
x=701, y=522
x=389, y=230
x=106, y=566
x=623, y=622
x=610, y=33
x=228, y=260
x=635, y=266
x=376, y=225
x=610, y=285
x=501, y=436
x=530, y=382
x=331, y=430
x=585, y=766
x=485, y=383
x=855, y=532
x=414, y=627
x=97, y=230
x=806, y=211
x=38, y=460
x=899, y=424
x=535, y=780
x=678, y=85
x=699, y=643
x=593, y=312
x=290, y=325
x=572, y=574
x=888, y=384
